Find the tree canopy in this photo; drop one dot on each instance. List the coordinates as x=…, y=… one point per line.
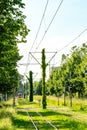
x=71, y=72
x=12, y=31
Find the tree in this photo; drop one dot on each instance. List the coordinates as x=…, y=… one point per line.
x=77, y=57
x=12, y=31
x=38, y=87
x=74, y=65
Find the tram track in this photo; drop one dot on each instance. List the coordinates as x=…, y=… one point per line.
x=36, y=128
x=41, y=121
x=47, y=121
x=38, y=120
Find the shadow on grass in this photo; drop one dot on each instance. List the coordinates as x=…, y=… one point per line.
x=64, y=121
x=60, y=120
x=4, y=114
x=21, y=113
x=22, y=123
x=69, y=124
x=50, y=113
x=26, y=124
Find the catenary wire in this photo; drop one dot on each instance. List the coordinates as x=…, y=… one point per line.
x=45, y=30
x=40, y=24
x=37, y=34
x=50, y=23
x=70, y=42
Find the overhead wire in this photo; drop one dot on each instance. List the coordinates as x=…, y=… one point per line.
x=71, y=41
x=50, y=23
x=37, y=33
x=46, y=29
x=49, y=27
x=69, y=44
x=40, y=24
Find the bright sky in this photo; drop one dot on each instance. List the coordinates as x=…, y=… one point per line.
x=69, y=22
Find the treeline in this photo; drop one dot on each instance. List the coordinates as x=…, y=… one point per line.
x=70, y=76
x=12, y=31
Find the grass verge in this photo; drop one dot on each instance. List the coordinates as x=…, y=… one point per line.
x=62, y=117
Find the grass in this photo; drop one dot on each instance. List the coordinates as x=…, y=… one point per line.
x=22, y=122
x=63, y=117
x=77, y=104
x=6, y=115
x=63, y=121
x=24, y=103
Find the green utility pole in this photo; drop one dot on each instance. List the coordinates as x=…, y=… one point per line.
x=30, y=79
x=31, y=86
x=44, y=103
x=43, y=66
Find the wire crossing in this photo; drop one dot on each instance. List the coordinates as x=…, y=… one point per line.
x=37, y=34
x=28, y=62
x=46, y=29
x=50, y=23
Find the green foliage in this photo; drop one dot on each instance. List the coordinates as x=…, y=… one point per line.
x=71, y=72
x=12, y=31
x=38, y=87
x=61, y=117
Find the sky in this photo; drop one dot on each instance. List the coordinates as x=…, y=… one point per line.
x=55, y=36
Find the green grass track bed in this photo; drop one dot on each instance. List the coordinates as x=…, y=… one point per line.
x=62, y=117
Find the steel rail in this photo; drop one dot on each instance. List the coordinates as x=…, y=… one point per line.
x=47, y=121
x=32, y=121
